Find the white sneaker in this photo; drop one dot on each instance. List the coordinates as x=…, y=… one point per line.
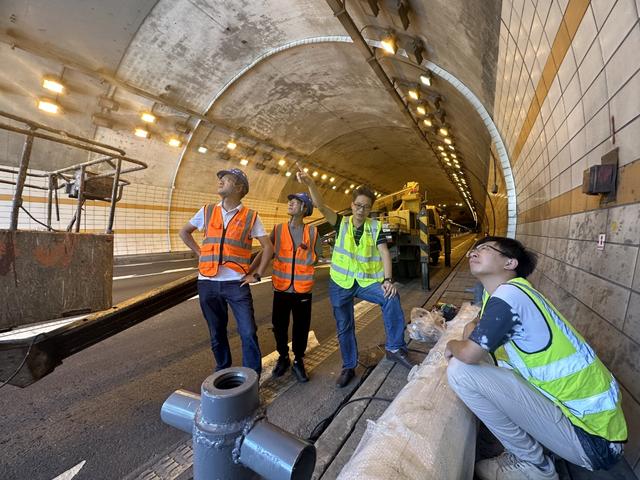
x=508, y=467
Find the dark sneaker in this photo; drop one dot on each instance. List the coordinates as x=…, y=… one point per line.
x=298, y=371
x=400, y=357
x=281, y=366
x=345, y=377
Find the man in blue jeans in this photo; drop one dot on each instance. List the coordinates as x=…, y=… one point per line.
x=224, y=265
x=360, y=267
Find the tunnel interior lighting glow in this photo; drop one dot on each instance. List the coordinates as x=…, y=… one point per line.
x=148, y=117
x=421, y=110
x=244, y=162
x=332, y=179
x=453, y=155
x=48, y=105
x=141, y=132
x=352, y=186
x=53, y=85
x=441, y=148
x=202, y=149
x=346, y=192
x=425, y=79
x=174, y=142
x=281, y=162
x=315, y=173
x=305, y=169
x=287, y=174
x=324, y=176
x=414, y=94
x=451, y=147
x=428, y=122
x=448, y=141
x=334, y=187
x=444, y=131
x=231, y=145
x=389, y=43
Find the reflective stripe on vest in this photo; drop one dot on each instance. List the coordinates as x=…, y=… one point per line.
x=230, y=246
x=362, y=262
x=293, y=268
x=568, y=372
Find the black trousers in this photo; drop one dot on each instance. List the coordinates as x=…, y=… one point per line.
x=285, y=304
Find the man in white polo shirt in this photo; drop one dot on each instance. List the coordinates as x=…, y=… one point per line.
x=224, y=265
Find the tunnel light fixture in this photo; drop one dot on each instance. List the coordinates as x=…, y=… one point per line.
x=346, y=192
x=281, y=162
x=324, y=176
x=421, y=110
x=53, y=85
x=231, y=145
x=352, y=186
x=48, y=105
x=334, y=187
x=451, y=147
x=148, y=117
x=444, y=131
x=244, y=162
x=287, y=174
x=453, y=155
x=444, y=154
x=448, y=164
x=414, y=94
x=425, y=79
x=441, y=148
x=174, y=142
x=141, y=132
x=305, y=169
x=448, y=141
x=203, y=149
x=332, y=179
x=389, y=43
x=315, y=173
x=427, y=122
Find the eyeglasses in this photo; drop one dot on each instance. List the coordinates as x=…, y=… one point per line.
x=484, y=247
x=359, y=206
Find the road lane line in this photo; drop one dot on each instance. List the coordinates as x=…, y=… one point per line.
x=140, y=275
x=69, y=474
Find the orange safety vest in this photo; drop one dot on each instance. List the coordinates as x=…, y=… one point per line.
x=229, y=246
x=293, y=267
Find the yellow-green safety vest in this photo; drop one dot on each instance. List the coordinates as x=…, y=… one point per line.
x=362, y=262
x=567, y=372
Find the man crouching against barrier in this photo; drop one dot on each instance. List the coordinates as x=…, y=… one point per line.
x=548, y=391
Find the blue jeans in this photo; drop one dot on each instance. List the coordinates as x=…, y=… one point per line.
x=214, y=298
x=342, y=303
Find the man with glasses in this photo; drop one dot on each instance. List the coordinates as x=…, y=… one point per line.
x=360, y=267
x=548, y=391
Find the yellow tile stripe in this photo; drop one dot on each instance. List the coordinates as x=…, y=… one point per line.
x=566, y=31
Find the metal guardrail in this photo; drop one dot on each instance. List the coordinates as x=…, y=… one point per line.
x=76, y=175
x=23, y=362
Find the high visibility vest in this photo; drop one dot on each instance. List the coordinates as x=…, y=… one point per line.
x=293, y=267
x=351, y=262
x=229, y=246
x=567, y=372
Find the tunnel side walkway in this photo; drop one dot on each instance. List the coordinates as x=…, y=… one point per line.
x=341, y=438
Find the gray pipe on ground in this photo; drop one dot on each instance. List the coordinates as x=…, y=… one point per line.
x=232, y=438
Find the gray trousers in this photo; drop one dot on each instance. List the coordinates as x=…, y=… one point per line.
x=519, y=416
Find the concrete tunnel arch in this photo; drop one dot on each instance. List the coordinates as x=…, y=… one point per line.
x=439, y=71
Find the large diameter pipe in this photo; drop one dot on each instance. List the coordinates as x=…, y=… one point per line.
x=276, y=454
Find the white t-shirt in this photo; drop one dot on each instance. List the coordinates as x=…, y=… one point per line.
x=225, y=273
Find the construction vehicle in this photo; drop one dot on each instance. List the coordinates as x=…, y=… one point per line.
x=399, y=213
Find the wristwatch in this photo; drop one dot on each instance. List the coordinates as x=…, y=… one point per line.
x=388, y=279
x=257, y=276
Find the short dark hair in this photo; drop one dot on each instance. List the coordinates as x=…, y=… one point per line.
x=363, y=190
x=527, y=260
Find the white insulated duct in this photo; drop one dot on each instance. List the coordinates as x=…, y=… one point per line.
x=427, y=432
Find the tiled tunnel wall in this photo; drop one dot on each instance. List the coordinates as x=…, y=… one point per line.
x=568, y=91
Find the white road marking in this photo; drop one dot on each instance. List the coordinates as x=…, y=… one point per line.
x=32, y=330
x=140, y=275
x=69, y=474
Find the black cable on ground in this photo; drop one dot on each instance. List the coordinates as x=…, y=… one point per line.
x=24, y=360
x=323, y=424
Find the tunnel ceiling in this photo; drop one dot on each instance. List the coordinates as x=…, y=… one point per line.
x=317, y=100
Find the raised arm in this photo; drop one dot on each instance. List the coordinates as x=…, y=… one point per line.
x=305, y=178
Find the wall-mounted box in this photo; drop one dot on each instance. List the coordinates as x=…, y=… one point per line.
x=601, y=179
